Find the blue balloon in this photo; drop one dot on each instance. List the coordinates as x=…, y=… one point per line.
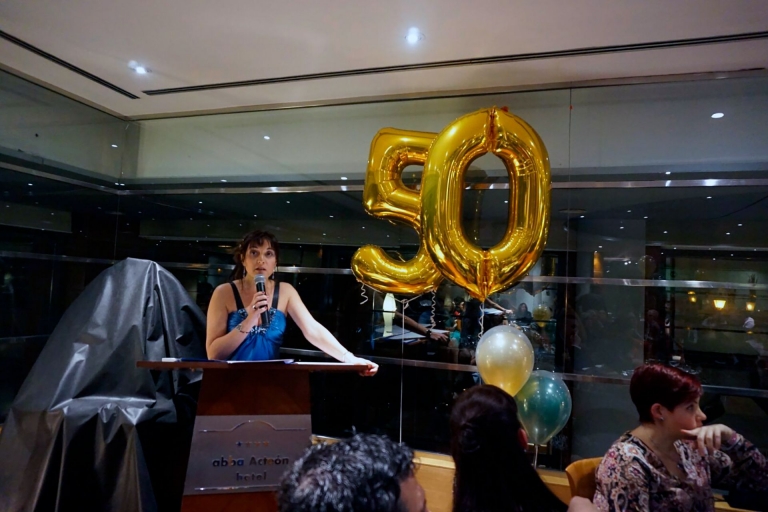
x=544, y=406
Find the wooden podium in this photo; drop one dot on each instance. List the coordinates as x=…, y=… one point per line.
x=247, y=389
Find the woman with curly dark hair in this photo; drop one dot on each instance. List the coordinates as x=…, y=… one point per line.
x=235, y=331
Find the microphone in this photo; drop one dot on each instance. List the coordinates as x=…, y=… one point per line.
x=261, y=286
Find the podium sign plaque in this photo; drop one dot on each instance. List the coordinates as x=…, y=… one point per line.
x=244, y=453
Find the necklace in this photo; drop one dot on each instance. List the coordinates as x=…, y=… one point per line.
x=673, y=464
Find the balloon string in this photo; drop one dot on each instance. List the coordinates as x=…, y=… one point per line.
x=482, y=316
x=362, y=293
x=432, y=317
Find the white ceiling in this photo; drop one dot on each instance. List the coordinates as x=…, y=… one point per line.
x=190, y=43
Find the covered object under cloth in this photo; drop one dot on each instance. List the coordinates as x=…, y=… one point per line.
x=90, y=431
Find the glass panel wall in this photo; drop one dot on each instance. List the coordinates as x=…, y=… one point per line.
x=654, y=249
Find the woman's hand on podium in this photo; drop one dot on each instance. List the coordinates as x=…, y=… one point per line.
x=351, y=358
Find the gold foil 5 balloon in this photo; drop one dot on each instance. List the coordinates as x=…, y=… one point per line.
x=435, y=211
x=505, y=358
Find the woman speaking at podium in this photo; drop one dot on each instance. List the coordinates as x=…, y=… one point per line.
x=236, y=331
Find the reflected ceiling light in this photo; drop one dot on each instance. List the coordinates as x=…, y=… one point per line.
x=114, y=145
x=414, y=35
x=266, y=137
x=717, y=115
x=719, y=303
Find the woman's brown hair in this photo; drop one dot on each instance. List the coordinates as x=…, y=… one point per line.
x=256, y=238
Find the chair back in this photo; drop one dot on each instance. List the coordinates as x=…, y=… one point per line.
x=581, y=477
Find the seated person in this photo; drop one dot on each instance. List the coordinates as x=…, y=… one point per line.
x=488, y=445
x=365, y=473
x=671, y=462
x=522, y=315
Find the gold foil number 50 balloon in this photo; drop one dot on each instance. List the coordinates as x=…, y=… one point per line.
x=435, y=211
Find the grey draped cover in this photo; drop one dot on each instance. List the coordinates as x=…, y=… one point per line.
x=90, y=431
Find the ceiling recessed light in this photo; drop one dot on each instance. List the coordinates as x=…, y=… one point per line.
x=266, y=137
x=29, y=184
x=645, y=217
x=709, y=197
x=343, y=178
x=622, y=227
x=665, y=232
x=138, y=68
x=223, y=181
x=740, y=225
x=199, y=202
x=582, y=217
x=114, y=145
x=414, y=35
x=255, y=215
x=717, y=115
x=629, y=211
x=727, y=233
x=599, y=246
x=668, y=172
x=331, y=216
x=506, y=201
x=288, y=202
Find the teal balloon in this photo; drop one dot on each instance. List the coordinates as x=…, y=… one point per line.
x=544, y=406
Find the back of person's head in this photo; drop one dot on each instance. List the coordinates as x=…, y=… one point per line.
x=361, y=474
x=660, y=384
x=492, y=470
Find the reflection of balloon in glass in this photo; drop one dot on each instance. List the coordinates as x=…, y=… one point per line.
x=544, y=406
x=505, y=358
x=541, y=314
x=647, y=265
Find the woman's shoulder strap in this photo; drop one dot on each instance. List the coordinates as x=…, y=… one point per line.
x=276, y=295
x=238, y=300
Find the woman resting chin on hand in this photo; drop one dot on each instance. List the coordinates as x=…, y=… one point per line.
x=671, y=462
x=234, y=328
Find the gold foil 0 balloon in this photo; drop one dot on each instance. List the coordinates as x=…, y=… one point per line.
x=505, y=358
x=435, y=211
x=483, y=272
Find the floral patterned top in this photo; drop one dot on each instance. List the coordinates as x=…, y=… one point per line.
x=632, y=477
